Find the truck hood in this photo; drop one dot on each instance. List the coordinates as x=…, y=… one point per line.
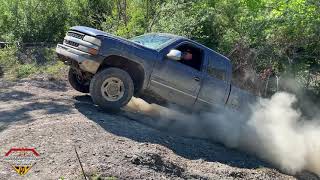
x=95, y=32
x=89, y=31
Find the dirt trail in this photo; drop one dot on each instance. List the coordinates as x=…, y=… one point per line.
x=54, y=119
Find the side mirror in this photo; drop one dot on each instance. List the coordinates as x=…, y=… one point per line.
x=174, y=54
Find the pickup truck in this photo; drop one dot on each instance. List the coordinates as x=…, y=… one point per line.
x=152, y=66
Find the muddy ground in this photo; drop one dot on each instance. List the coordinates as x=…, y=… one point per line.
x=55, y=120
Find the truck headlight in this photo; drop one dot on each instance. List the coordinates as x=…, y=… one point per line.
x=92, y=40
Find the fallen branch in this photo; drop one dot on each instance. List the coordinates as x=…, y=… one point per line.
x=84, y=175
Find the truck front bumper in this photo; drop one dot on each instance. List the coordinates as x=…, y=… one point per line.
x=85, y=61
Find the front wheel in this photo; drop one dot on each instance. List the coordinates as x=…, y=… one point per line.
x=111, y=88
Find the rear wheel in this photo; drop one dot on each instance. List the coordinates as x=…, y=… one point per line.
x=111, y=88
x=77, y=81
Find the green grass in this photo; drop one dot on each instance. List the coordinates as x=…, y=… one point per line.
x=26, y=70
x=54, y=69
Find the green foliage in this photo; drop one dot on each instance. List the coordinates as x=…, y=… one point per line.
x=92, y=13
x=24, y=70
x=32, y=20
x=8, y=57
x=32, y=61
x=54, y=69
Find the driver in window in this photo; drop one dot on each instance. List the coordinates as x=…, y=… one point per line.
x=187, y=55
x=189, y=58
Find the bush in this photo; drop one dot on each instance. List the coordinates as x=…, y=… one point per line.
x=32, y=20
x=56, y=70
x=8, y=60
x=22, y=62
x=25, y=70
x=8, y=57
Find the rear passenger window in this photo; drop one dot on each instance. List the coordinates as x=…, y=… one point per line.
x=217, y=68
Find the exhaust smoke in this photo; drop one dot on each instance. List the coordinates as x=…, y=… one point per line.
x=272, y=129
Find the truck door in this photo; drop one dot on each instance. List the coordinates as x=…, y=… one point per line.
x=216, y=82
x=178, y=81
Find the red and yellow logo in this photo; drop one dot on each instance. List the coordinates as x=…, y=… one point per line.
x=22, y=159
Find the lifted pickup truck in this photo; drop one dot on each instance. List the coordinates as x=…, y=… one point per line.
x=113, y=69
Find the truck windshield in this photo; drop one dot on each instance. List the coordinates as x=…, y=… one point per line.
x=153, y=41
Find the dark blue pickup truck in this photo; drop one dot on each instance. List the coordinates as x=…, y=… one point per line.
x=158, y=67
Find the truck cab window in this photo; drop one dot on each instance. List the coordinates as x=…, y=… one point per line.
x=191, y=56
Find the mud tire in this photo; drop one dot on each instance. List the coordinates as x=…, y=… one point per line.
x=97, y=95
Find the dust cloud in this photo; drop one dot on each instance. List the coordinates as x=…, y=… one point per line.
x=272, y=129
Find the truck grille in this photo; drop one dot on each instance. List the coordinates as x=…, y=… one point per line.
x=75, y=35
x=71, y=43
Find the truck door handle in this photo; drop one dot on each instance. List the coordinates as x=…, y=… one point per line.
x=196, y=78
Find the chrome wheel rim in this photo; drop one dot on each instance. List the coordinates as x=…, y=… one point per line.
x=112, y=89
